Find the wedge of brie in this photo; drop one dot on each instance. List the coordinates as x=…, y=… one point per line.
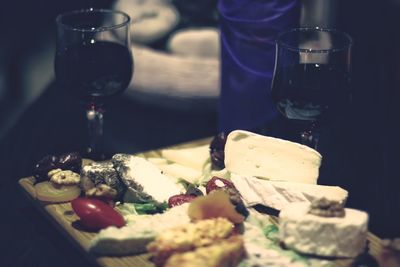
x=277, y=195
x=250, y=154
x=143, y=179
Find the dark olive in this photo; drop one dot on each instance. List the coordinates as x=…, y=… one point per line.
x=70, y=161
x=45, y=165
x=193, y=190
x=217, y=153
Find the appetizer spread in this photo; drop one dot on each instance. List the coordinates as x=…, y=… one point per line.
x=195, y=206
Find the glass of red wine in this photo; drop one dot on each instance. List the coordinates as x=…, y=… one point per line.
x=311, y=83
x=94, y=62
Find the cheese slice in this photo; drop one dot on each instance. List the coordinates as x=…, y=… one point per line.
x=143, y=179
x=277, y=195
x=250, y=154
x=178, y=171
x=193, y=157
x=323, y=236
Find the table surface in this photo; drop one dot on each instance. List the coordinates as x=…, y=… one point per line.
x=64, y=220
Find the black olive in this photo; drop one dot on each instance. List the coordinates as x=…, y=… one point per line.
x=45, y=165
x=192, y=190
x=217, y=153
x=241, y=209
x=70, y=161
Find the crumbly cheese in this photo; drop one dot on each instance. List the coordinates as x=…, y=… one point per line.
x=250, y=154
x=277, y=195
x=139, y=231
x=322, y=236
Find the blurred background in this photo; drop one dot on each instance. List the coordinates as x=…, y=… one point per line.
x=27, y=50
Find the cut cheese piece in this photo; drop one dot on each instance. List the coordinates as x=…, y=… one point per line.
x=277, y=195
x=141, y=230
x=250, y=154
x=143, y=179
x=322, y=236
x=178, y=171
x=194, y=157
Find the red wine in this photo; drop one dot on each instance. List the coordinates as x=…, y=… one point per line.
x=307, y=92
x=96, y=70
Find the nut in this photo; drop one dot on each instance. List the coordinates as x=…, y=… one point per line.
x=67, y=177
x=102, y=190
x=327, y=208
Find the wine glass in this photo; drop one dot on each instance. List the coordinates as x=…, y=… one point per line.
x=94, y=62
x=311, y=82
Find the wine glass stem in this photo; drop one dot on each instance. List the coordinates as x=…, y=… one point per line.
x=94, y=116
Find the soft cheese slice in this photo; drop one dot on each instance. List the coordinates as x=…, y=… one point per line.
x=181, y=172
x=193, y=157
x=322, y=236
x=277, y=195
x=250, y=154
x=143, y=179
x=141, y=230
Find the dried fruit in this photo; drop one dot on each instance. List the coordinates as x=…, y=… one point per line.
x=214, y=205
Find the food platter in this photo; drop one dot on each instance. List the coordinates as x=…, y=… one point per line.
x=64, y=218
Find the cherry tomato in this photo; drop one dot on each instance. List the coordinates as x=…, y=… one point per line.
x=46, y=191
x=96, y=214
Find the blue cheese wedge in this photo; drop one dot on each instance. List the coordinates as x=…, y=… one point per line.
x=250, y=154
x=143, y=179
x=139, y=231
x=101, y=173
x=277, y=195
x=323, y=236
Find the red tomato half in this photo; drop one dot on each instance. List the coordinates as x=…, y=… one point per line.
x=95, y=214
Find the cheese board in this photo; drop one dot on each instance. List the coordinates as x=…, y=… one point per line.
x=65, y=219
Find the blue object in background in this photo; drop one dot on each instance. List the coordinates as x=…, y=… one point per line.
x=248, y=32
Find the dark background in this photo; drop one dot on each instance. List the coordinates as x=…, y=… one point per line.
x=361, y=153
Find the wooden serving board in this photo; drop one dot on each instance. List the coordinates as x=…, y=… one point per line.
x=65, y=220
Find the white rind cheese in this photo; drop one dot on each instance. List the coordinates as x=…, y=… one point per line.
x=143, y=179
x=277, y=195
x=250, y=154
x=322, y=236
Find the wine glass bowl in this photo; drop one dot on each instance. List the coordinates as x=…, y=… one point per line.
x=93, y=62
x=311, y=82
